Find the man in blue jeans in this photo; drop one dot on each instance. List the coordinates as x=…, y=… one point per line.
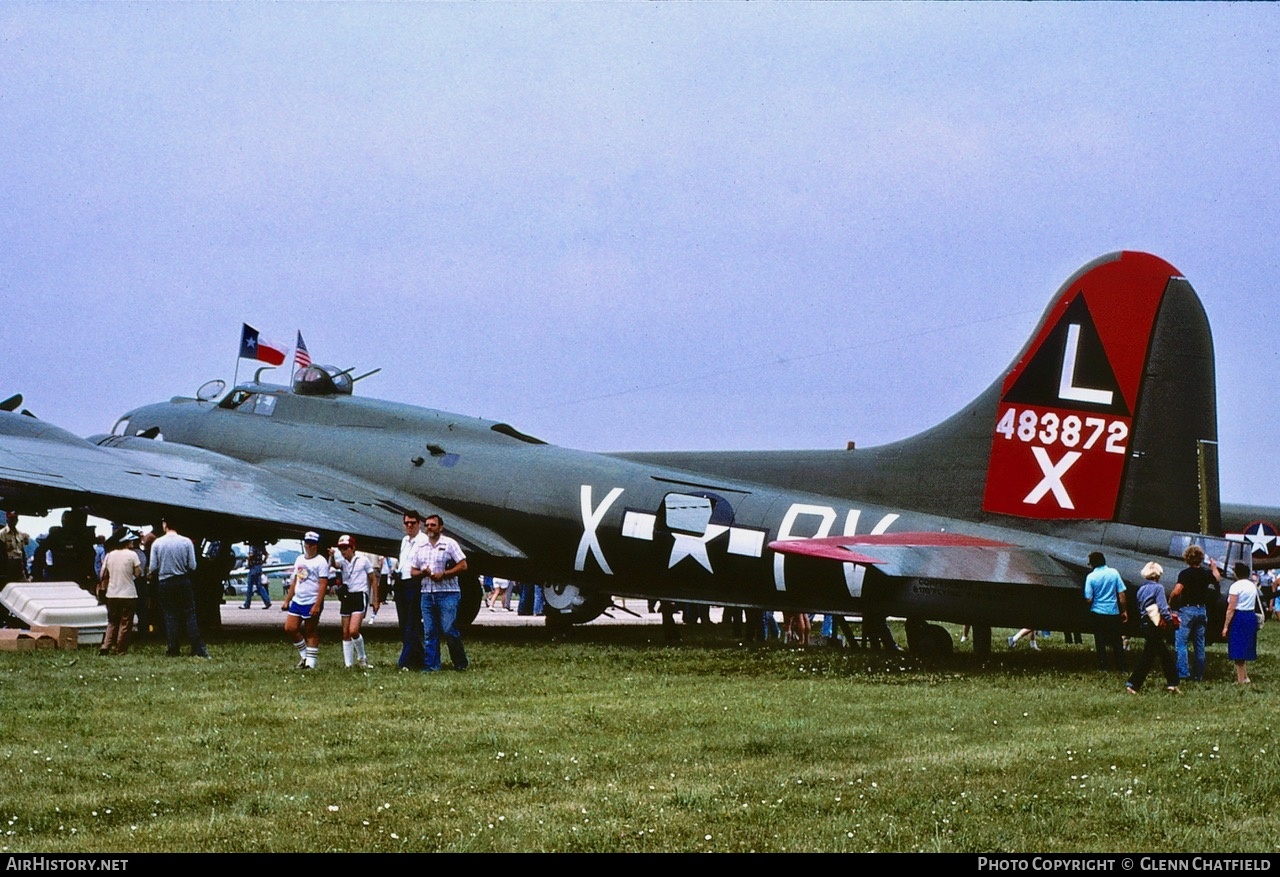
x=253, y=579
x=173, y=560
x=438, y=561
x=1196, y=589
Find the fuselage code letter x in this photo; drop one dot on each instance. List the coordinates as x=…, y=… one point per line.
x=591, y=518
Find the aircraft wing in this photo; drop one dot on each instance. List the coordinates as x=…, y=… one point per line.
x=937, y=556
x=136, y=480
x=340, y=487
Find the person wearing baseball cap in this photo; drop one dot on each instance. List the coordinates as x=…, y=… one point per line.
x=121, y=569
x=358, y=586
x=305, y=601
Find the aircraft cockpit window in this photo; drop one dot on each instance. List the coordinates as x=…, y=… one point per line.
x=234, y=399
x=250, y=403
x=1226, y=551
x=121, y=427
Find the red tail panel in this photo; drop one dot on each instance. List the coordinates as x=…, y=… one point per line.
x=1065, y=417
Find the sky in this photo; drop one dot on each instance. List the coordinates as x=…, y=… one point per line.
x=625, y=226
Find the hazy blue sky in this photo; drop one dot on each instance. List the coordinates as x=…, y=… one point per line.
x=628, y=226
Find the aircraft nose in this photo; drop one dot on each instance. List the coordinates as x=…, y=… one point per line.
x=145, y=422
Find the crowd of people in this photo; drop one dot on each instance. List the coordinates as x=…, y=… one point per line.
x=149, y=576
x=1181, y=618
x=423, y=581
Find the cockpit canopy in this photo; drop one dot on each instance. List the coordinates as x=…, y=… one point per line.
x=322, y=380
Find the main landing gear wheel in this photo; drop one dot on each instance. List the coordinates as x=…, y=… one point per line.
x=566, y=604
x=469, y=602
x=929, y=641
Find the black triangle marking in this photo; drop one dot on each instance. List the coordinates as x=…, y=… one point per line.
x=1040, y=381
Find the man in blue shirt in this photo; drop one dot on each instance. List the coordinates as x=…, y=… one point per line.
x=1104, y=592
x=173, y=560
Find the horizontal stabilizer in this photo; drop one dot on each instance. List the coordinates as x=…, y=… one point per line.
x=842, y=548
x=949, y=556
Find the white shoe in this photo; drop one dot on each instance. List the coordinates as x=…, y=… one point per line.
x=1034, y=647
x=1011, y=641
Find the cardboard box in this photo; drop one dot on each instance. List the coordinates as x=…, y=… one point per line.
x=17, y=641
x=62, y=636
x=49, y=637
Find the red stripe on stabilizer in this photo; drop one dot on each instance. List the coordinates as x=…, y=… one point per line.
x=806, y=548
x=913, y=539
x=836, y=547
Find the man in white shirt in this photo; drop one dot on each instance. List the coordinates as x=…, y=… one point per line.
x=439, y=561
x=408, y=595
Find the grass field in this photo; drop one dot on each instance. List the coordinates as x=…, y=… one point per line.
x=614, y=742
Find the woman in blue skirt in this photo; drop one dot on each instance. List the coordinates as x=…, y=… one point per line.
x=1240, y=629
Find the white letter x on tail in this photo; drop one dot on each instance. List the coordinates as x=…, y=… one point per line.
x=1052, y=480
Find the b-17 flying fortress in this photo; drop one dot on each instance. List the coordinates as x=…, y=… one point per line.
x=1102, y=435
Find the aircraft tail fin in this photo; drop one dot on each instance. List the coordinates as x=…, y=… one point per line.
x=1109, y=413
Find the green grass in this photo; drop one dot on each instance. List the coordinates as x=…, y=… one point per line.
x=614, y=742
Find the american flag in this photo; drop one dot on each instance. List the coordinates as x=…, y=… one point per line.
x=301, y=358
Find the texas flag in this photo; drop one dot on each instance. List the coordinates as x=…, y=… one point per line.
x=254, y=346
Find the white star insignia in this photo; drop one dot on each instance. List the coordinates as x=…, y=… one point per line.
x=687, y=545
x=1261, y=540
